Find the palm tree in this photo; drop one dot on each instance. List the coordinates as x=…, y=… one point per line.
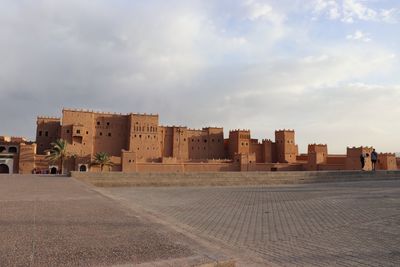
x=58, y=152
x=102, y=159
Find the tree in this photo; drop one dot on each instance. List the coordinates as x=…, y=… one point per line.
x=102, y=159
x=58, y=152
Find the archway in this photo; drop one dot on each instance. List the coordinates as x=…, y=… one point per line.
x=4, y=168
x=53, y=170
x=12, y=149
x=82, y=168
x=2, y=149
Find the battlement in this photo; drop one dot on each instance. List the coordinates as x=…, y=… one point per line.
x=387, y=154
x=12, y=139
x=239, y=130
x=284, y=130
x=360, y=147
x=48, y=118
x=267, y=141
x=317, y=145
x=107, y=113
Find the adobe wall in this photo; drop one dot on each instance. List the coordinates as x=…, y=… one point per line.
x=26, y=158
x=258, y=150
x=353, y=158
x=47, y=131
x=186, y=167
x=239, y=142
x=144, y=137
x=386, y=161
x=270, y=151
x=286, y=147
x=336, y=159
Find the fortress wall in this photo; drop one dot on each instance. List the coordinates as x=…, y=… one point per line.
x=166, y=141
x=287, y=149
x=186, y=167
x=47, y=131
x=258, y=150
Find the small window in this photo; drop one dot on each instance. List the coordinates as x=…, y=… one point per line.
x=212, y=140
x=78, y=131
x=109, y=134
x=98, y=123
x=130, y=160
x=205, y=140
x=87, y=132
x=101, y=133
x=46, y=133
x=140, y=136
x=67, y=131
x=108, y=123
x=40, y=133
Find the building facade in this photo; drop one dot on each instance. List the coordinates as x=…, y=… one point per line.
x=138, y=143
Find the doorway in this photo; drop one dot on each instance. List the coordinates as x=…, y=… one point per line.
x=4, y=168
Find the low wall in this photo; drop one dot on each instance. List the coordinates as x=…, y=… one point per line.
x=116, y=179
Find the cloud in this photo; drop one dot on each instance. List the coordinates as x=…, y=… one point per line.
x=248, y=64
x=359, y=36
x=350, y=11
x=261, y=10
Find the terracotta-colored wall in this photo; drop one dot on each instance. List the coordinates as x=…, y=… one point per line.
x=27, y=158
x=353, y=158
x=144, y=137
x=47, y=131
x=336, y=159
x=286, y=147
x=239, y=142
x=258, y=150
x=187, y=167
x=386, y=161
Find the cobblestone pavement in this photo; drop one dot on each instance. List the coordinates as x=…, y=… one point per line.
x=335, y=224
x=57, y=221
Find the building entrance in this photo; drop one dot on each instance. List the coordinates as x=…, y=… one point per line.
x=4, y=168
x=53, y=170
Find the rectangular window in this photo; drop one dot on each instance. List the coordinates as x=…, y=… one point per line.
x=78, y=131
x=46, y=133
x=109, y=134
x=40, y=133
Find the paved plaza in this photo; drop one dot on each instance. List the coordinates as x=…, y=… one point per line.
x=335, y=224
x=58, y=221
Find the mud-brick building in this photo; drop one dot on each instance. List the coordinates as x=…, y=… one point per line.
x=139, y=143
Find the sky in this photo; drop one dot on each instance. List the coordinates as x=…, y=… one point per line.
x=329, y=69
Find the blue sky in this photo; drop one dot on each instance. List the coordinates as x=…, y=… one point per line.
x=327, y=68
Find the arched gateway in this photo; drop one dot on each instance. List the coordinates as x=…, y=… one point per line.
x=82, y=168
x=4, y=168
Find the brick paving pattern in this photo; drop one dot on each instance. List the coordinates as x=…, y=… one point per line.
x=57, y=221
x=337, y=224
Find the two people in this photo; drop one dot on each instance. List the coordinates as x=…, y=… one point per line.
x=374, y=159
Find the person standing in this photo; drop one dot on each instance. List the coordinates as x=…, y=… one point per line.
x=374, y=159
x=362, y=160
